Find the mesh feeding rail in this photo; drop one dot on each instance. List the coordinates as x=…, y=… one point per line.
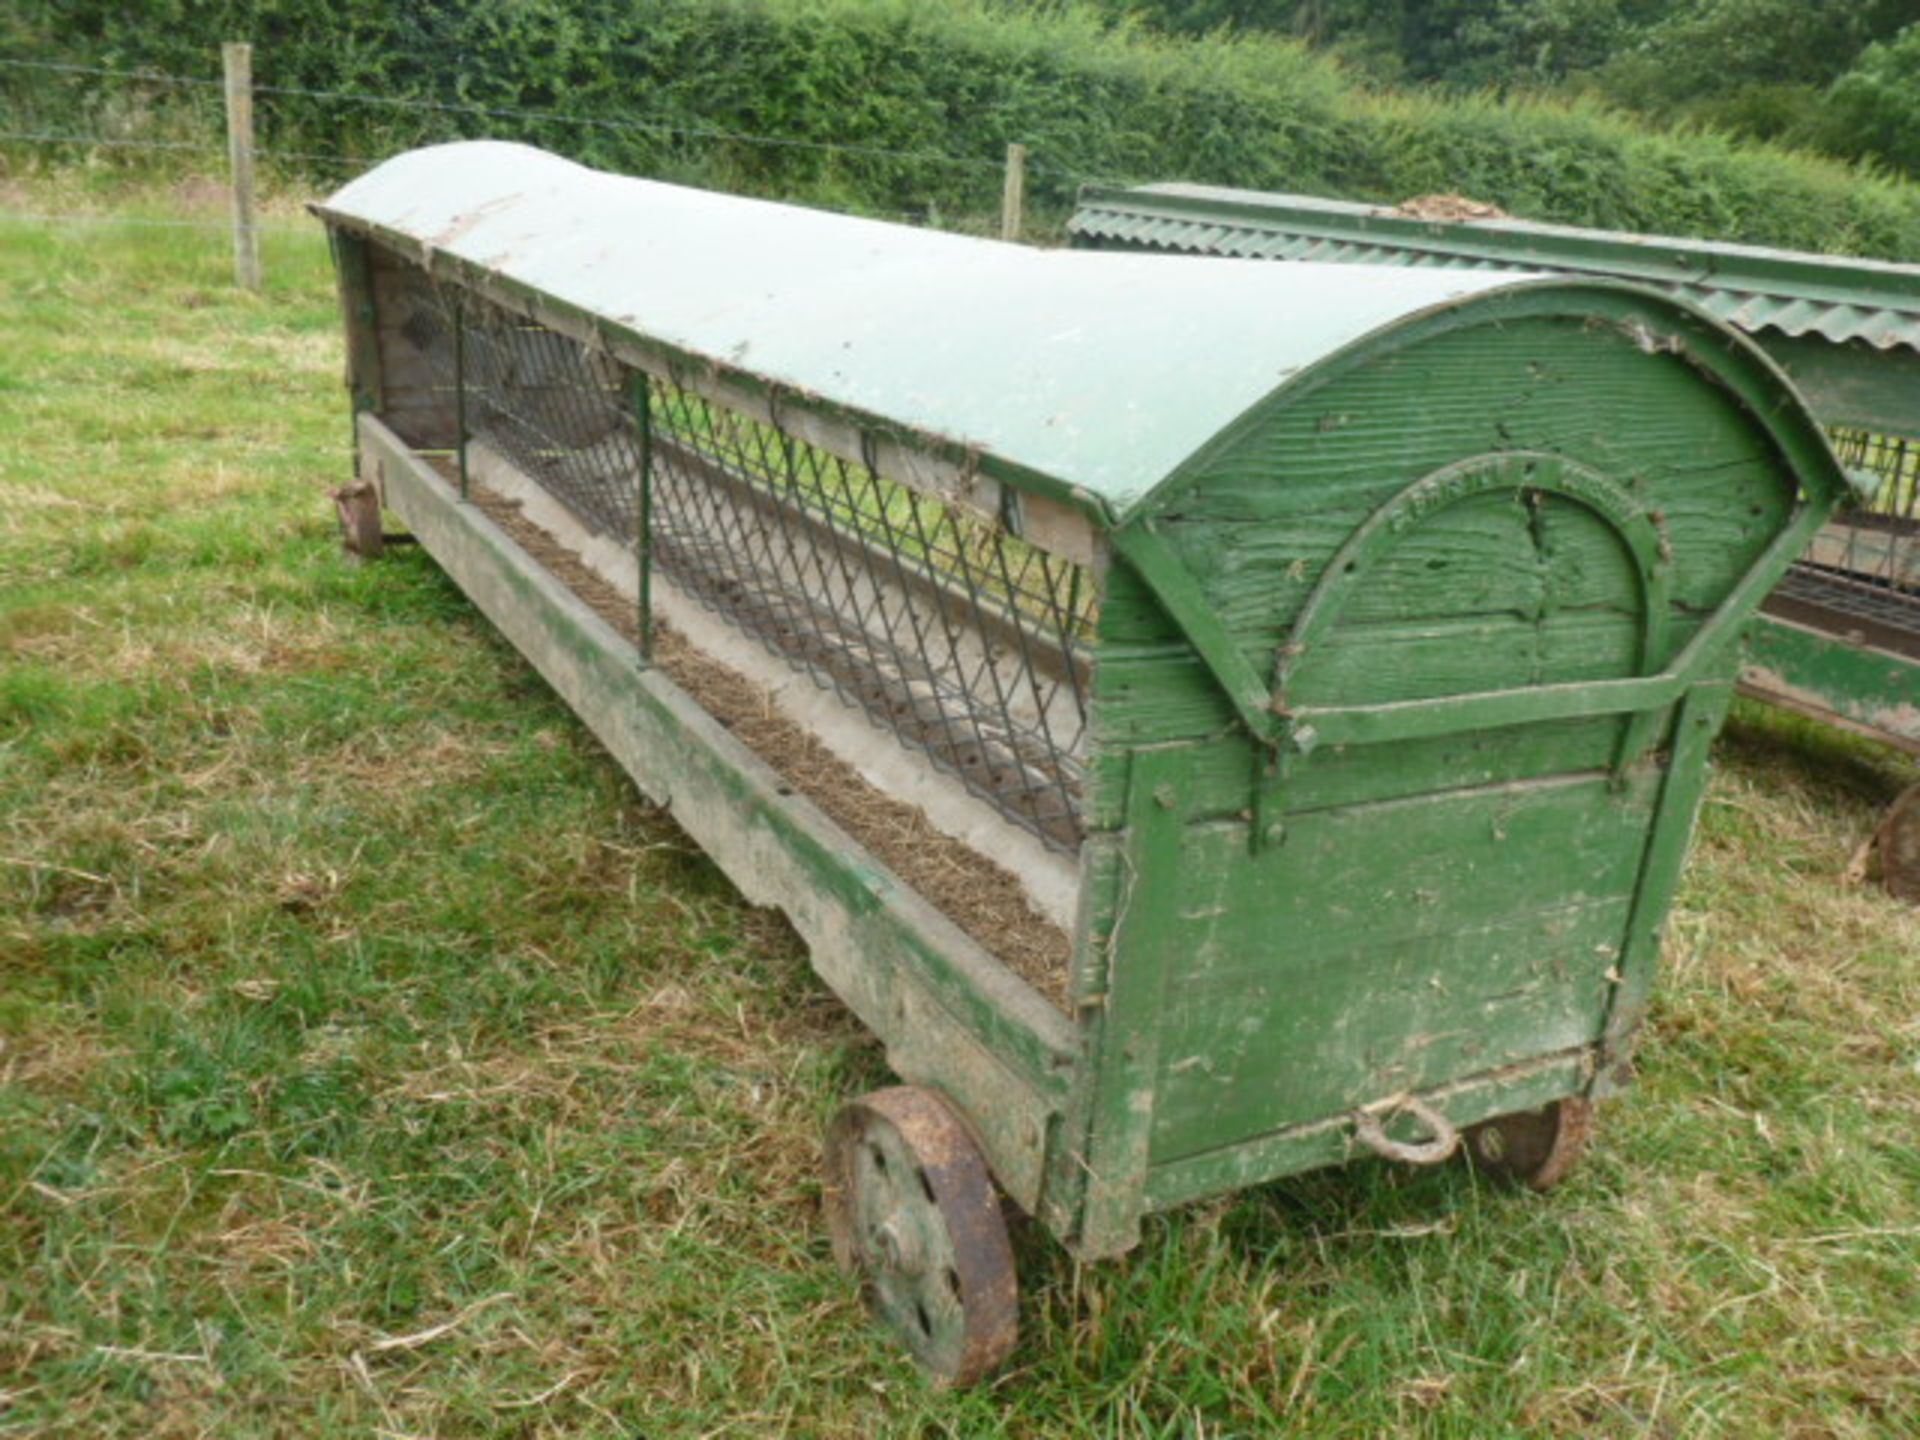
x=1880, y=542
x=958, y=637
x=1862, y=576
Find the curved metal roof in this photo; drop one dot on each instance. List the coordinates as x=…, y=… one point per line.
x=1745, y=286
x=1102, y=372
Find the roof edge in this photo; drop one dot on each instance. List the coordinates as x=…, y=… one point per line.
x=1732, y=360
x=1532, y=244
x=599, y=330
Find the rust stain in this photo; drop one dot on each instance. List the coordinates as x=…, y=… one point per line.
x=466, y=223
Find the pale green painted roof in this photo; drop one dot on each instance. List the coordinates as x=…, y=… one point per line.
x=1100, y=371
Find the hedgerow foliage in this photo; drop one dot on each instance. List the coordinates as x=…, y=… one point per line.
x=660, y=86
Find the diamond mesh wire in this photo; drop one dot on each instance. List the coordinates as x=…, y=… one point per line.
x=965, y=642
x=1877, y=544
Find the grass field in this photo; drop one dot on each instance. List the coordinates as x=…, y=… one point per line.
x=373, y=1062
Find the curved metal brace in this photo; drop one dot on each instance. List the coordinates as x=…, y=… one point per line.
x=1288, y=729
x=1411, y=719
x=1521, y=472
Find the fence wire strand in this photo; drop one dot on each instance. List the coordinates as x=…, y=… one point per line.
x=141, y=222
x=646, y=127
x=141, y=77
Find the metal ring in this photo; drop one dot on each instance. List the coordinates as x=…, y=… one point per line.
x=1369, y=1130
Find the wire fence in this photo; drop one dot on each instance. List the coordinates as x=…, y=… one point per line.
x=142, y=222
x=126, y=122
x=979, y=164
x=189, y=147
x=548, y=116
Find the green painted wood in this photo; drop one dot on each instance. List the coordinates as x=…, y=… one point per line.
x=1454, y=867
x=950, y=1014
x=1391, y=947
x=351, y=266
x=1276, y=1154
x=1155, y=694
x=1497, y=554
x=1521, y=485
x=1441, y=715
x=1304, y=477
x=1108, y=866
x=1410, y=868
x=1187, y=604
x=1343, y=775
x=1419, y=660
x=1124, y=1032
x=1529, y=644
x=1872, y=692
x=1706, y=649
x=1684, y=783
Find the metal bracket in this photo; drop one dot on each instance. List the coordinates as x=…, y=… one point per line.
x=1180, y=595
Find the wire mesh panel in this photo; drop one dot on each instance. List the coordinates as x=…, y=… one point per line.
x=944, y=628
x=1880, y=541
x=957, y=636
x=1861, y=578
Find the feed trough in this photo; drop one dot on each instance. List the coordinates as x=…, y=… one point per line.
x=1208, y=721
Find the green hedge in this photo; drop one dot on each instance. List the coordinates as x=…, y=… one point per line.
x=655, y=86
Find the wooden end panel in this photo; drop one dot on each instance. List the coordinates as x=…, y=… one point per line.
x=1388, y=948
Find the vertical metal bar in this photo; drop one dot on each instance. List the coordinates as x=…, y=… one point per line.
x=643, y=541
x=460, y=386
x=1903, y=502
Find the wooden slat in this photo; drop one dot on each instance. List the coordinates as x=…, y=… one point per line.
x=1412, y=942
x=1330, y=1142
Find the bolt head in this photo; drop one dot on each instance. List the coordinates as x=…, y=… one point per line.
x=897, y=1246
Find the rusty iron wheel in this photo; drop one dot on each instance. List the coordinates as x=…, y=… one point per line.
x=1535, y=1148
x=914, y=1214
x=1900, y=847
x=358, y=507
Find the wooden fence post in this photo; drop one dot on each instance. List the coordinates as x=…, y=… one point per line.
x=237, y=63
x=1013, y=196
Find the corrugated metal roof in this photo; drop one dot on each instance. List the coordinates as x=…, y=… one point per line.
x=1101, y=372
x=1750, y=288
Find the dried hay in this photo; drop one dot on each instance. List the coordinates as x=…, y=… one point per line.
x=1449, y=208
x=973, y=891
